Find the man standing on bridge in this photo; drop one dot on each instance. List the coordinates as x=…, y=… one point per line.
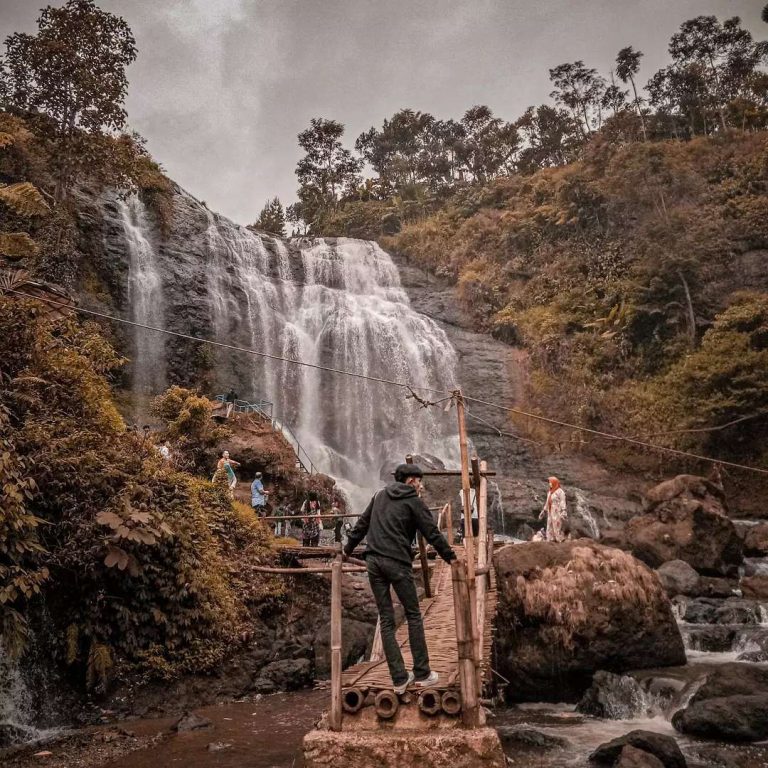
x=390, y=521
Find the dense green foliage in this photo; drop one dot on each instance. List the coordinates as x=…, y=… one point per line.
x=72, y=70
x=61, y=113
x=142, y=566
x=621, y=275
x=271, y=219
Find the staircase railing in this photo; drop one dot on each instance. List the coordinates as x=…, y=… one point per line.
x=302, y=457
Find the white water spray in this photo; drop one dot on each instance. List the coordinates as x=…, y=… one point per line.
x=145, y=297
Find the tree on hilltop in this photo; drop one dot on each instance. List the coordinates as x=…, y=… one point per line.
x=488, y=145
x=72, y=70
x=627, y=66
x=271, y=219
x=580, y=89
x=326, y=169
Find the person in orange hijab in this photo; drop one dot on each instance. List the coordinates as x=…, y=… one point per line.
x=556, y=511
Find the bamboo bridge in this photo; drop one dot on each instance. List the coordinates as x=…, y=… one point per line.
x=367, y=722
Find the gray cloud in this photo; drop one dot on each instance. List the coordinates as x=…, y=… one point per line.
x=222, y=87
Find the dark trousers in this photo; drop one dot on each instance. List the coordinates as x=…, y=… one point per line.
x=384, y=572
x=310, y=541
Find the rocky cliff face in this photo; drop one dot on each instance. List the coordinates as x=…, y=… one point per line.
x=490, y=370
x=332, y=303
x=339, y=303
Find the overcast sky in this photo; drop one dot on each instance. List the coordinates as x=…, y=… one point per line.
x=221, y=88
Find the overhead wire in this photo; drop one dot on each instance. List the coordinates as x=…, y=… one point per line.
x=233, y=347
x=452, y=393
x=621, y=438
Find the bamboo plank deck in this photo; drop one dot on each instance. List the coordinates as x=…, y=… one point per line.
x=440, y=631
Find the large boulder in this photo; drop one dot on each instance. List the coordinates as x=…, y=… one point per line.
x=731, y=705
x=567, y=610
x=685, y=519
x=755, y=587
x=678, y=578
x=663, y=748
x=756, y=540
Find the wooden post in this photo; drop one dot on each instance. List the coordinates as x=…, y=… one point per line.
x=449, y=523
x=424, y=564
x=469, y=539
x=471, y=714
x=465, y=492
x=334, y=719
x=482, y=562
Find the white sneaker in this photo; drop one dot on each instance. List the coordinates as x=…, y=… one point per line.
x=427, y=681
x=400, y=689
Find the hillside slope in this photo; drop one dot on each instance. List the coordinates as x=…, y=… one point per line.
x=637, y=281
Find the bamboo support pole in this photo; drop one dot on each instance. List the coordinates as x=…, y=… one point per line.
x=469, y=539
x=424, y=565
x=334, y=718
x=467, y=678
x=482, y=563
x=449, y=523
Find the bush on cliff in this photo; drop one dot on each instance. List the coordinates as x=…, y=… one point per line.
x=140, y=566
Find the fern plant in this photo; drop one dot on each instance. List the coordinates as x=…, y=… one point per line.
x=25, y=200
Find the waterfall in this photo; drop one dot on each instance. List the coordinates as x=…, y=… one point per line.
x=145, y=298
x=581, y=511
x=331, y=303
x=16, y=706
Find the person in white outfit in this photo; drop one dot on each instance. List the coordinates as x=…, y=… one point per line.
x=556, y=511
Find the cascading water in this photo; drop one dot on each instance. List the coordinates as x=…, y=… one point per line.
x=16, y=706
x=333, y=304
x=581, y=510
x=145, y=298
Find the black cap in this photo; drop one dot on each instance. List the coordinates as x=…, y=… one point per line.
x=405, y=471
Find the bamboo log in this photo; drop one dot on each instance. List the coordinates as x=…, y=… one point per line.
x=482, y=563
x=430, y=702
x=308, y=569
x=465, y=645
x=352, y=700
x=451, y=702
x=449, y=523
x=334, y=718
x=469, y=539
x=386, y=704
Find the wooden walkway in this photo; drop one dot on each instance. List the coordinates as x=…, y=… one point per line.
x=440, y=631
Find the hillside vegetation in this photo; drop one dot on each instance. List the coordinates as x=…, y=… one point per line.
x=635, y=277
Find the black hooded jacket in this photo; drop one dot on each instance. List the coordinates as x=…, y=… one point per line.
x=391, y=520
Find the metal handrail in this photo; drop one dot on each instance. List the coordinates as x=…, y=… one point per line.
x=264, y=407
